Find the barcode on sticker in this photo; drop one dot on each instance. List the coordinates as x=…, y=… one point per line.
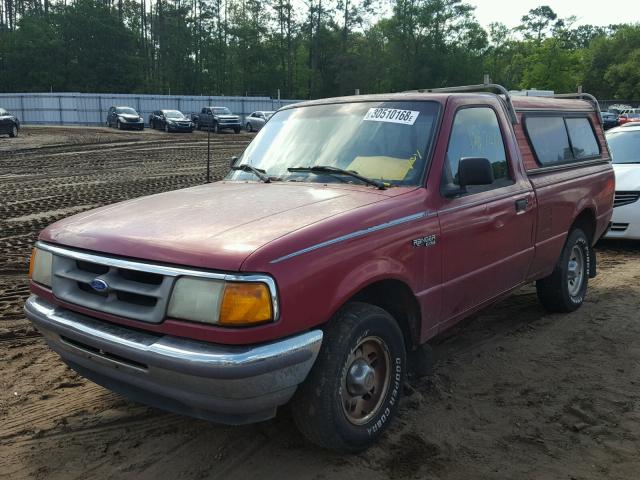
x=392, y=115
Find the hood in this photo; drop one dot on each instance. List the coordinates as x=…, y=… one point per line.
x=213, y=226
x=128, y=116
x=627, y=176
x=228, y=117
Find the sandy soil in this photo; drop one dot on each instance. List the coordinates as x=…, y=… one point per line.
x=516, y=393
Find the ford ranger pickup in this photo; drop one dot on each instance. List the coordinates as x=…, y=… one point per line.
x=350, y=232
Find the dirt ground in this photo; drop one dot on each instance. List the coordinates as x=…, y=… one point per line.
x=516, y=393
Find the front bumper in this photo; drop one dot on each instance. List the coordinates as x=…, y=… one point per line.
x=180, y=128
x=224, y=384
x=133, y=125
x=229, y=125
x=625, y=222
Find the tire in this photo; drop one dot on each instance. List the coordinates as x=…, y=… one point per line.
x=166, y=127
x=118, y=125
x=319, y=405
x=249, y=127
x=236, y=130
x=13, y=133
x=564, y=290
x=216, y=128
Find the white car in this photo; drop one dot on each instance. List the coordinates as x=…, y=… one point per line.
x=624, y=143
x=256, y=120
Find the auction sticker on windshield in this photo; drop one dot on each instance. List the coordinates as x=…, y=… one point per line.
x=391, y=115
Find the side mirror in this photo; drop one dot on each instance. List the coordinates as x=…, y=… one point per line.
x=471, y=171
x=233, y=161
x=475, y=171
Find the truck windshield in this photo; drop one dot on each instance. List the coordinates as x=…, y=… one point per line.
x=386, y=141
x=624, y=146
x=222, y=111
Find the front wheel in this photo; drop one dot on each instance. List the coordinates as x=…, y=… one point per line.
x=564, y=290
x=118, y=125
x=236, y=130
x=353, y=390
x=216, y=128
x=166, y=127
x=249, y=127
x=14, y=131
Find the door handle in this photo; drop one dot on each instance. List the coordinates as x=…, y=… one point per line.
x=521, y=204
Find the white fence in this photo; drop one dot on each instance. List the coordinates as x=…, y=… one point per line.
x=91, y=108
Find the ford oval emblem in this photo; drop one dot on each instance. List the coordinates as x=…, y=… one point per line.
x=99, y=285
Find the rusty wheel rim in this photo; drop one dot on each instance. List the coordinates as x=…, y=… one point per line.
x=365, y=380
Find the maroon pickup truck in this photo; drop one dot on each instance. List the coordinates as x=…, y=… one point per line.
x=349, y=233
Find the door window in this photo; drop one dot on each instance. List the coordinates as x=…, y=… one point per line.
x=476, y=133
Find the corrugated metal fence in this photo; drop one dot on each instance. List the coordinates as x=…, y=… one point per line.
x=91, y=108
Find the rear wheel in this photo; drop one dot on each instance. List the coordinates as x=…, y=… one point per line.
x=14, y=131
x=354, y=387
x=564, y=290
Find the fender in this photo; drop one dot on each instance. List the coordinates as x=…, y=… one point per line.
x=368, y=273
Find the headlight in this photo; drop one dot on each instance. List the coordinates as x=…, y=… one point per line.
x=217, y=302
x=40, y=266
x=170, y=122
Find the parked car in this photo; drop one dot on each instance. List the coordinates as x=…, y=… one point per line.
x=624, y=143
x=609, y=120
x=256, y=120
x=348, y=234
x=9, y=123
x=170, y=121
x=124, y=118
x=217, y=119
x=628, y=117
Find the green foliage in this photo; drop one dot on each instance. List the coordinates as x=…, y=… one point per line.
x=316, y=48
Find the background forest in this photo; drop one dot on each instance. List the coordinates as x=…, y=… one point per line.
x=305, y=48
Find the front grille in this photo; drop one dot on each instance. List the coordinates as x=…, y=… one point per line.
x=618, y=227
x=131, y=294
x=625, y=198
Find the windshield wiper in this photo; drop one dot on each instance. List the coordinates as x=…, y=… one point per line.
x=328, y=169
x=261, y=174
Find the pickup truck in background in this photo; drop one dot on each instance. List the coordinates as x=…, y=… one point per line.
x=216, y=119
x=347, y=235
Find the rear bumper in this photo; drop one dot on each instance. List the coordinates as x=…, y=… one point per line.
x=225, y=384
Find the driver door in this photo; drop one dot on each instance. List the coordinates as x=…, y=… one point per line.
x=486, y=233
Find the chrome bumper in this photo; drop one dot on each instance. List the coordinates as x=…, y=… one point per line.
x=225, y=384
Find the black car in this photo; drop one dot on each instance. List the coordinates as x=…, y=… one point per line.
x=171, y=121
x=124, y=117
x=9, y=124
x=609, y=120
